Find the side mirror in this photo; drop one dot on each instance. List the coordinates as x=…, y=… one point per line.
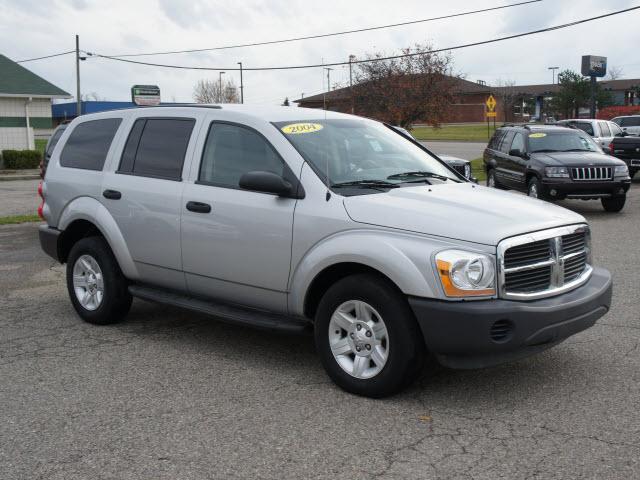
x=266, y=182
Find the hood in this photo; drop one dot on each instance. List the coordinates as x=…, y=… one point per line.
x=576, y=159
x=462, y=211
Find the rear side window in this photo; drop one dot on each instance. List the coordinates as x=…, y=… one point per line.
x=586, y=127
x=629, y=121
x=233, y=150
x=494, y=143
x=54, y=140
x=615, y=129
x=604, y=129
x=88, y=144
x=156, y=147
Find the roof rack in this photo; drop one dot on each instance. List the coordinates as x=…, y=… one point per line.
x=523, y=125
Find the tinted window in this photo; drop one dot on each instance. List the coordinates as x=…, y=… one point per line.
x=156, y=147
x=506, y=141
x=629, y=121
x=586, y=127
x=518, y=142
x=88, y=144
x=604, y=129
x=54, y=140
x=495, y=140
x=615, y=129
x=231, y=151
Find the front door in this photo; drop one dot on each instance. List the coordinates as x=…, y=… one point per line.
x=236, y=244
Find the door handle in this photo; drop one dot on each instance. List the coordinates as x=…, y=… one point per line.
x=198, y=207
x=112, y=194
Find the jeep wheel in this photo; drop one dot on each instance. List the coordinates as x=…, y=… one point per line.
x=613, y=204
x=535, y=189
x=367, y=337
x=96, y=286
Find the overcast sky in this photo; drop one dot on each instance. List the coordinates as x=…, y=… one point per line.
x=30, y=28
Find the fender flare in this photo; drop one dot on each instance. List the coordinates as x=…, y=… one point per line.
x=91, y=210
x=392, y=254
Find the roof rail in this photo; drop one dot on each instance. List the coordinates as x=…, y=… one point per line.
x=523, y=125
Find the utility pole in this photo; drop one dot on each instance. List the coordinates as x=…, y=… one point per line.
x=220, y=86
x=328, y=69
x=351, y=59
x=553, y=74
x=78, y=100
x=241, y=84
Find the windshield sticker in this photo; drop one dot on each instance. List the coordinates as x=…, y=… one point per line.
x=537, y=135
x=297, y=128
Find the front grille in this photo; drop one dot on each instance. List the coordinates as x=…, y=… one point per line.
x=591, y=173
x=544, y=263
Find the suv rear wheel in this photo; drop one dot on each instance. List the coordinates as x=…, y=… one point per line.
x=367, y=337
x=97, y=287
x=613, y=204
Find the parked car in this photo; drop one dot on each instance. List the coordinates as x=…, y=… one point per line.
x=602, y=131
x=628, y=123
x=628, y=150
x=294, y=219
x=460, y=165
x=51, y=144
x=550, y=162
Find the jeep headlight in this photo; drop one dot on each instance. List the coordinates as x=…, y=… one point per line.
x=466, y=274
x=621, y=171
x=556, y=172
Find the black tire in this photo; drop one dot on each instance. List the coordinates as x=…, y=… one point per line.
x=534, y=183
x=613, y=204
x=491, y=175
x=116, y=299
x=405, y=341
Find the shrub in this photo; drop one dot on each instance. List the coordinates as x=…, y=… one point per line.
x=21, y=159
x=608, y=113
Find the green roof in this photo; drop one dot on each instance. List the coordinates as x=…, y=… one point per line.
x=17, y=80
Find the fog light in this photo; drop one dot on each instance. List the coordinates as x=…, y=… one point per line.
x=553, y=192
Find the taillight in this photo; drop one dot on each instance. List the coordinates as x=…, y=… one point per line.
x=611, y=148
x=41, y=207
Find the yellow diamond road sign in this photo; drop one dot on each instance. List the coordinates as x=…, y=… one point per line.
x=491, y=103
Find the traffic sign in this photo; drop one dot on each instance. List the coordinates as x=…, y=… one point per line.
x=491, y=103
x=491, y=114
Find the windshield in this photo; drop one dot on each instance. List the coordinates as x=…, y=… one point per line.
x=569, y=141
x=361, y=152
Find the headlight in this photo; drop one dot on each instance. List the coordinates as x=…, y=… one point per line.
x=467, y=171
x=466, y=274
x=621, y=171
x=556, y=172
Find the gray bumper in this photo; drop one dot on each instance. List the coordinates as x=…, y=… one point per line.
x=466, y=335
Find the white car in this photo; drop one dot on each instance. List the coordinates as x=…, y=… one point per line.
x=629, y=124
x=602, y=131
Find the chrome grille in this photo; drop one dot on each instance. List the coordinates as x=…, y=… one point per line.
x=544, y=263
x=591, y=173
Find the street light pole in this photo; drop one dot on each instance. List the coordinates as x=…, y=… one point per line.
x=553, y=74
x=78, y=100
x=241, y=84
x=220, y=86
x=351, y=58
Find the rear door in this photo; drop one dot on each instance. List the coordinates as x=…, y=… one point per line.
x=144, y=195
x=506, y=166
x=518, y=165
x=605, y=134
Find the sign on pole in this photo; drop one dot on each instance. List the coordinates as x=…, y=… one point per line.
x=491, y=106
x=145, y=95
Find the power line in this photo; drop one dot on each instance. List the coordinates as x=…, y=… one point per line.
x=376, y=59
x=324, y=35
x=47, y=56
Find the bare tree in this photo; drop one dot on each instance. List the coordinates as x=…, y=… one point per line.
x=209, y=91
x=92, y=96
x=405, y=90
x=286, y=102
x=507, y=95
x=614, y=73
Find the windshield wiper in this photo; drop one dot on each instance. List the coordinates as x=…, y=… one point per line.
x=546, y=150
x=576, y=150
x=422, y=174
x=375, y=184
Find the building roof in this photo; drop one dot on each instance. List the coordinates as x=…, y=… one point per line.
x=15, y=80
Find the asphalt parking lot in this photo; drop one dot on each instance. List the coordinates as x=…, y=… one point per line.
x=171, y=394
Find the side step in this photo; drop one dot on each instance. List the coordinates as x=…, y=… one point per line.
x=225, y=312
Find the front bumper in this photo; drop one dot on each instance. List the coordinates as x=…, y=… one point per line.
x=585, y=189
x=463, y=334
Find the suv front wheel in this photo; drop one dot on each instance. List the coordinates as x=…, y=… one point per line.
x=492, y=181
x=97, y=287
x=613, y=204
x=367, y=337
x=535, y=189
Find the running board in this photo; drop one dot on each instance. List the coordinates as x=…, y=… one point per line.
x=225, y=312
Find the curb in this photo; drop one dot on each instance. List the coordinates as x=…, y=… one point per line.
x=8, y=178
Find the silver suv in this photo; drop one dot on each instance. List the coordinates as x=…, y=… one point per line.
x=294, y=219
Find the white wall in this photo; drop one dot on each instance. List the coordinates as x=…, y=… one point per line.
x=16, y=137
